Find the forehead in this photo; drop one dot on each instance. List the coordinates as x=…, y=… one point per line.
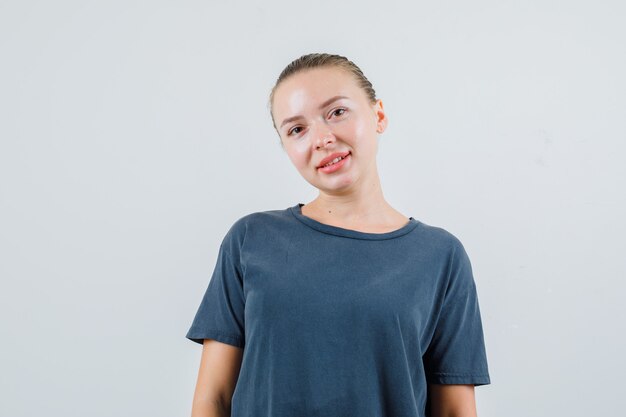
x=310, y=87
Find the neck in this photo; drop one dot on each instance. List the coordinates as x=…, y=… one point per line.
x=365, y=204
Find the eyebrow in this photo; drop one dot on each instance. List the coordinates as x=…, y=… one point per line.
x=324, y=104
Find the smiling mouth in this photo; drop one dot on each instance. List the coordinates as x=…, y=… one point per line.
x=333, y=163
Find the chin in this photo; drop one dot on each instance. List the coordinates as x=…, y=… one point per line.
x=342, y=184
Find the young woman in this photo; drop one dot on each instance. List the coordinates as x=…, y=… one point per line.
x=342, y=306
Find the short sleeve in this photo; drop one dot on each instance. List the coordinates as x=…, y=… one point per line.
x=456, y=353
x=220, y=315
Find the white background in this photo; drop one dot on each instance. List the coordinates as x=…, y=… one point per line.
x=134, y=133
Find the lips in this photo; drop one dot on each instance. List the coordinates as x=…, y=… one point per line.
x=332, y=156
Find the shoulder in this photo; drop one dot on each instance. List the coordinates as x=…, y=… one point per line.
x=447, y=251
x=440, y=239
x=254, y=226
x=258, y=221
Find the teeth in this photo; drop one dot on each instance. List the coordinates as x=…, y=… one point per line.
x=334, y=161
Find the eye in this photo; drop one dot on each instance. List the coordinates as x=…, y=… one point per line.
x=292, y=130
x=339, y=109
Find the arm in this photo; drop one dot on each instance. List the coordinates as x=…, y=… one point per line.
x=217, y=378
x=451, y=400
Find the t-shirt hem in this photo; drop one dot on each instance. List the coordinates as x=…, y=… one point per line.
x=198, y=336
x=458, y=378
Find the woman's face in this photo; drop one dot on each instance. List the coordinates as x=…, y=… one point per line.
x=313, y=123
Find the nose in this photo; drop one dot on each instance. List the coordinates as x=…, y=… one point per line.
x=324, y=136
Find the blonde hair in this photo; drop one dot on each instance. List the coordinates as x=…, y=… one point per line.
x=321, y=60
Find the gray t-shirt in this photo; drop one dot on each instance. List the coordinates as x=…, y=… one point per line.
x=337, y=322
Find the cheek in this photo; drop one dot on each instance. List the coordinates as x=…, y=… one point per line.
x=362, y=126
x=299, y=155
x=360, y=134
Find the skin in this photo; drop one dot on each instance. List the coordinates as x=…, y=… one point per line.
x=217, y=377
x=351, y=197
x=452, y=400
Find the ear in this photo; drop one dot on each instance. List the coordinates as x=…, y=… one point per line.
x=381, y=117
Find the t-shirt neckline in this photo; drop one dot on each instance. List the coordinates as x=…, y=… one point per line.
x=296, y=210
